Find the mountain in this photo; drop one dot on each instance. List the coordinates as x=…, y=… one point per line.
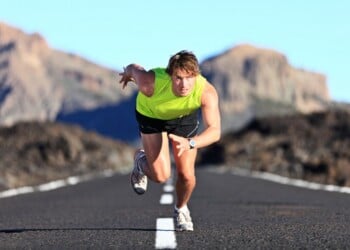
x=256, y=82
x=38, y=83
x=275, y=117
x=313, y=147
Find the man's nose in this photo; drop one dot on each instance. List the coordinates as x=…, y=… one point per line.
x=184, y=82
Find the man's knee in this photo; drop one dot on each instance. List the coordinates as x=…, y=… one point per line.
x=187, y=177
x=161, y=174
x=161, y=177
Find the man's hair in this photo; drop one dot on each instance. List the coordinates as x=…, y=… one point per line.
x=183, y=60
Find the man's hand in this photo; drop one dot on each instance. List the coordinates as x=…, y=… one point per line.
x=181, y=143
x=125, y=78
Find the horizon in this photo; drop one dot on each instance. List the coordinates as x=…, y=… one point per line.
x=313, y=36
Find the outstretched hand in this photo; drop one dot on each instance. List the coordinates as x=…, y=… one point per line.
x=125, y=78
x=181, y=143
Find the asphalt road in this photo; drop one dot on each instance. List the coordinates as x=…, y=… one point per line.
x=229, y=212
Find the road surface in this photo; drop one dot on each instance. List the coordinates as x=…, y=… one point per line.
x=229, y=212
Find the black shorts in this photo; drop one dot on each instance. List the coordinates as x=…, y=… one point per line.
x=186, y=126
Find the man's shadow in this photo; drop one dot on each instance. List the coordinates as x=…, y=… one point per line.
x=24, y=230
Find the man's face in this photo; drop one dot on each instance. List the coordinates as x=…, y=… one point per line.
x=183, y=82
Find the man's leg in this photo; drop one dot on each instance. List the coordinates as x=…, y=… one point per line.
x=185, y=184
x=186, y=179
x=157, y=166
x=153, y=162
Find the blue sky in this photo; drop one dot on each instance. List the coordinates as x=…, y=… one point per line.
x=314, y=35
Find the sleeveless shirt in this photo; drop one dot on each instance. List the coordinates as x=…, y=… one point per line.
x=163, y=104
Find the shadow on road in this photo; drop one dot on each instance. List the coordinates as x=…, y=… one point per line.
x=24, y=230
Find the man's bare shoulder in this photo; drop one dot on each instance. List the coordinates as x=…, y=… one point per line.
x=146, y=85
x=209, y=94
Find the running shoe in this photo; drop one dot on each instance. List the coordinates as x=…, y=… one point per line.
x=183, y=220
x=137, y=178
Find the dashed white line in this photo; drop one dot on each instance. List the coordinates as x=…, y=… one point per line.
x=165, y=235
x=166, y=199
x=168, y=188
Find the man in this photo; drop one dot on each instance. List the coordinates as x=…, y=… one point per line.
x=167, y=107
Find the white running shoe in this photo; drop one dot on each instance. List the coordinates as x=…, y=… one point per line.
x=183, y=220
x=137, y=178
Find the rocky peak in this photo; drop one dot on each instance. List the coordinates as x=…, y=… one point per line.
x=253, y=82
x=11, y=37
x=24, y=85
x=38, y=82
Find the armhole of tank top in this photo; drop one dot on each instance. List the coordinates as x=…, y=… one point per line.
x=203, y=83
x=157, y=78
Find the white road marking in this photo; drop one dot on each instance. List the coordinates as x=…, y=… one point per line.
x=53, y=184
x=300, y=183
x=168, y=188
x=16, y=191
x=166, y=199
x=282, y=180
x=165, y=235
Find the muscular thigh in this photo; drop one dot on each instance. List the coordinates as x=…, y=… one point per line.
x=156, y=147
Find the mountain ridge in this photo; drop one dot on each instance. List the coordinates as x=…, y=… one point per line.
x=249, y=79
x=41, y=87
x=44, y=84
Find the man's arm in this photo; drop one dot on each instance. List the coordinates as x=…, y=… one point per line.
x=143, y=79
x=211, y=119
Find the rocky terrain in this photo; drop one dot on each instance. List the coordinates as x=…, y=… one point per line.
x=275, y=117
x=40, y=83
x=33, y=153
x=313, y=147
x=257, y=82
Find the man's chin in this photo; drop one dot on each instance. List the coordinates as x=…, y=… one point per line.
x=184, y=93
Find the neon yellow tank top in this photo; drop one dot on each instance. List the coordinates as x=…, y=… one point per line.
x=163, y=104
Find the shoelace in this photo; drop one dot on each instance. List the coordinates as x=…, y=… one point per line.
x=183, y=217
x=139, y=176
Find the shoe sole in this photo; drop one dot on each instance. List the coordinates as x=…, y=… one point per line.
x=138, y=191
x=184, y=229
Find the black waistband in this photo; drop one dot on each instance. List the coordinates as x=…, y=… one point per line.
x=193, y=117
